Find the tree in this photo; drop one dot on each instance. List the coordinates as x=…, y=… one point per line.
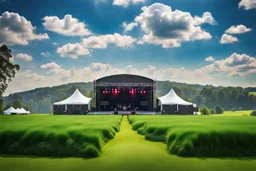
x=17, y=104
x=8, y=106
x=212, y=111
x=7, y=69
x=219, y=109
x=1, y=106
x=205, y=111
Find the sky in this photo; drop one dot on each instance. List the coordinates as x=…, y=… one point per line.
x=199, y=42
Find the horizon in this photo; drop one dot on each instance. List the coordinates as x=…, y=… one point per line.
x=198, y=42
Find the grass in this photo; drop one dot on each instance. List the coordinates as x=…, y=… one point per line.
x=59, y=136
x=127, y=151
x=200, y=136
x=236, y=113
x=253, y=93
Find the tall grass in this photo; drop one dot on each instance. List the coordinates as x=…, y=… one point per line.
x=60, y=136
x=201, y=136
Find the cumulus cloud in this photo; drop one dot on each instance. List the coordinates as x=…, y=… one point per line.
x=240, y=29
x=100, y=42
x=72, y=51
x=67, y=26
x=129, y=27
x=169, y=28
x=55, y=43
x=209, y=59
x=16, y=29
x=235, y=65
x=247, y=4
x=126, y=3
x=45, y=54
x=206, y=18
x=24, y=57
x=228, y=39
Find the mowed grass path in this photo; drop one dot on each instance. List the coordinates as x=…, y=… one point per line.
x=128, y=151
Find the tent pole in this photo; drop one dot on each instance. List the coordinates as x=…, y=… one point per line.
x=177, y=107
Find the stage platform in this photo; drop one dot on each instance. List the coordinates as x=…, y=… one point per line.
x=123, y=113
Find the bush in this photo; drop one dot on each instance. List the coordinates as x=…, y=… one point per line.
x=205, y=111
x=234, y=110
x=212, y=111
x=219, y=109
x=91, y=152
x=253, y=113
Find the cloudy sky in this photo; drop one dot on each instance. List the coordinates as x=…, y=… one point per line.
x=199, y=41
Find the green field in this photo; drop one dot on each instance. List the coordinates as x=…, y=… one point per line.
x=236, y=113
x=127, y=151
x=253, y=93
x=56, y=135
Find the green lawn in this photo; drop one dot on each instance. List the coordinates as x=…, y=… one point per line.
x=236, y=113
x=128, y=151
x=254, y=93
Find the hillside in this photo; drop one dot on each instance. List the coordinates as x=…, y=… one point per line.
x=41, y=99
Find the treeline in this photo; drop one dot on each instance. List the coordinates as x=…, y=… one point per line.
x=40, y=100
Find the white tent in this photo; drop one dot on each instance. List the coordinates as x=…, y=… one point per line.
x=77, y=98
x=24, y=111
x=10, y=111
x=19, y=111
x=172, y=99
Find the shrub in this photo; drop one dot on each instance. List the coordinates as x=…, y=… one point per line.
x=219, y=109
x=212, y=111
x=91, y=152
x=205, y=111
x=234, y=110
x=253, y=113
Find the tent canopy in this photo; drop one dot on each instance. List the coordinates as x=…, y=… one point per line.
x=10, y=111
x=77, y=98
x=173, y=99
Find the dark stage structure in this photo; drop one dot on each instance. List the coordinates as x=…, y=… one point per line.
x=125, y=92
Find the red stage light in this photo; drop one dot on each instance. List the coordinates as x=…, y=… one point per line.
x=144, y=91
x=103, y=92
x=141, y=92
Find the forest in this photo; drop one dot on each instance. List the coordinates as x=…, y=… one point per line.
x=40, y=100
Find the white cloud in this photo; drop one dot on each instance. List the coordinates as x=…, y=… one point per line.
x=51, y=65
x=45, y=54
x=240, y=29
x=16, y=29
x=126, y=3
x=129, y=27
x=235, y=65
x=101, y=41
x=228, y=39
x=24, y=57
x=169, y=28
x=67, y=26
x=247, y=4
x=55, y=43
x=72, y=51
x=209, y=59
x=206, y=18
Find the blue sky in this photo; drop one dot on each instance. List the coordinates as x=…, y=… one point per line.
x=176, y=40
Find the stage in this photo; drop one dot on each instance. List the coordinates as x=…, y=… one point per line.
x=123, y=113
